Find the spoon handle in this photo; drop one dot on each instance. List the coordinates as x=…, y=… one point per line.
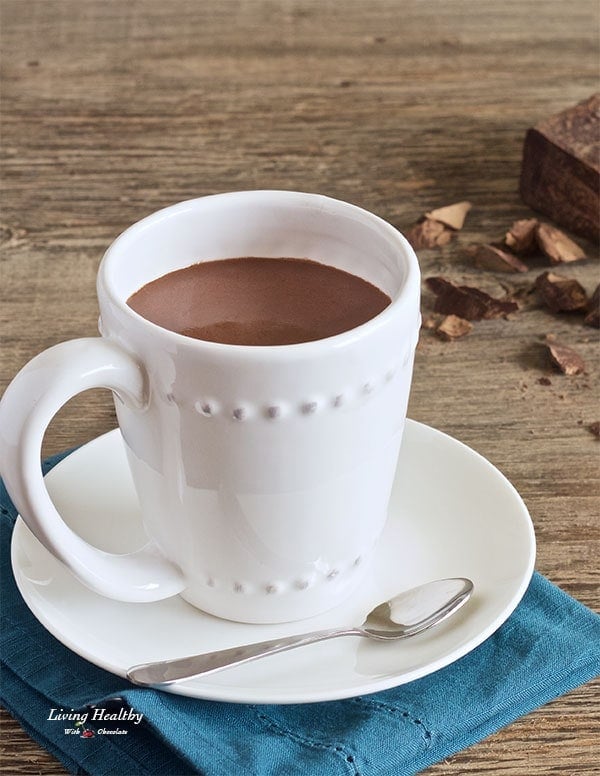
x=167, y=671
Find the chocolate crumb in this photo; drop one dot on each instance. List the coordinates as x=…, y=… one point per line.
x=565, y=358
x=467, y=302
x=453, y=327
x=493, y=258
x=544, y=381
x=559, y=248
x=521, y=237
x=594, y=428
x=561, y=294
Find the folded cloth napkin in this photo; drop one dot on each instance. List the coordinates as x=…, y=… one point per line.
x=549, y=645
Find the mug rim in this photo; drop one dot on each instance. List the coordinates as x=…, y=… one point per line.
x=409, y=289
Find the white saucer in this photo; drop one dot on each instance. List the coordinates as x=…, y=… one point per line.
x=452, y=514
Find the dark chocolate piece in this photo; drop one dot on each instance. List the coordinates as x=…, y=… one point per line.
x=559, y=248
x=560, y=174
x=452, y=216
x=453, y=327
x=497, y=260
x=428, y=234
x=565, y=358
x=521, y=237
x=467, y=302
x=561, y=294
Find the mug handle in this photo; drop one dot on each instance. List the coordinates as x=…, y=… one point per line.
x=32, y=399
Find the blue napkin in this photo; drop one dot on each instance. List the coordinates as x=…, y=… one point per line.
x=549, y=645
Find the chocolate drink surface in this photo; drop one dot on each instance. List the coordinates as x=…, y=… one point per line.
x=259, y=301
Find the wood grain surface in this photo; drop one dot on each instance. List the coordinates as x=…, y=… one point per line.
x=111, y=110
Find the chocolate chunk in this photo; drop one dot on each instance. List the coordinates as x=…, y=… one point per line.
x=490, y=257
x=467, y=302
x=453, y=327
x=561, y=294
x=565, y=358
x=560, y=174
x=521, y=237
x=593, y=316
x=428, y=234
x=559, y=248
x=452, y=216
x=594, y=428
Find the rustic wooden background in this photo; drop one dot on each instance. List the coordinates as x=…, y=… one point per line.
x=113, y=109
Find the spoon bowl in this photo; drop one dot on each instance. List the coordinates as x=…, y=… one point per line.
x=417, y=609
x=404, y=615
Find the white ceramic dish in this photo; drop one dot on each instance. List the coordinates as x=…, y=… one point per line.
x=452, y=514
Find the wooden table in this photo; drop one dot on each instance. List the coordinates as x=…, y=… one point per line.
x=114, y=109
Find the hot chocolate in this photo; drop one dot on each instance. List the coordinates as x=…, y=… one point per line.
x=259, y=301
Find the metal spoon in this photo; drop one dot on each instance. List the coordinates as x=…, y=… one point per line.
x=407, y=614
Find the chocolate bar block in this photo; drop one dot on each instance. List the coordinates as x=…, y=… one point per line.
x=560, y=175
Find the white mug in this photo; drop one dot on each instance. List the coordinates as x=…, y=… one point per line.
x=263, y=472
